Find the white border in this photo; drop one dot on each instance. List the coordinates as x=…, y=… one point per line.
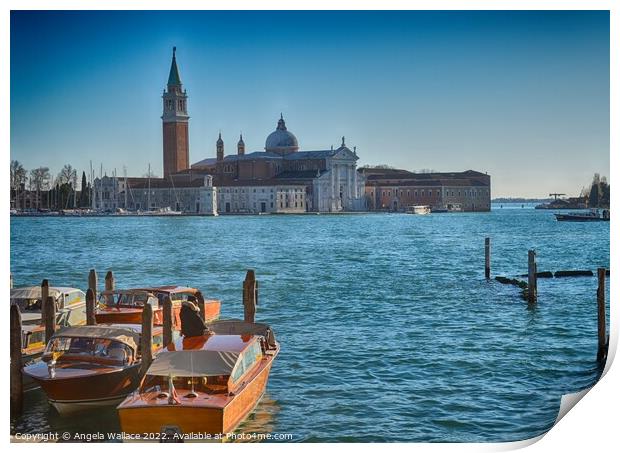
x=591, y=426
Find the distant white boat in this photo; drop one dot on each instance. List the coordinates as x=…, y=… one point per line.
x=160, y=212
x=419, y=209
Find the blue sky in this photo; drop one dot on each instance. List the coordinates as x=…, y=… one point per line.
x=523, y=96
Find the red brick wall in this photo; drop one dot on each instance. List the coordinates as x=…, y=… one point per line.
x=176, y=147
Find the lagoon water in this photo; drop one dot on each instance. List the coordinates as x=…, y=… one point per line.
x=389, y=331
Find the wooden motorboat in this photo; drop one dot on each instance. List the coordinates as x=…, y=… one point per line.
x=70, y=304
x=125, y=306
x=70, y=311
x=90, y=366
x=203, y=384
x=180, y=294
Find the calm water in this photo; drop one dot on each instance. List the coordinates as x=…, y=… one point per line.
x=389, y=331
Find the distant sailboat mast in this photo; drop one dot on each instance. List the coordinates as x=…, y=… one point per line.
x=92, y=185
x=100, y=203
x=148, y=195
x=126, y=186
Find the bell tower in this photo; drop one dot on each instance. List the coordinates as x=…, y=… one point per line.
x=240, y=146
x=219, y=148
x=175, y=122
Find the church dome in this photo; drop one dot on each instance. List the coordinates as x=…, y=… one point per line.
x=281, y=141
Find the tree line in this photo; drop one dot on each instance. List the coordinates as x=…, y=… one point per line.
x=598, y=194
x=37, y=188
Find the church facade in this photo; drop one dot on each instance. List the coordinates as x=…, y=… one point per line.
x=328, y=178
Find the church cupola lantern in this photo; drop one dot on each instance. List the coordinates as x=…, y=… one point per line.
x=241, y=146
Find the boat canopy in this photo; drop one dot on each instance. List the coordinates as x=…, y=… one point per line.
x=238, y=327
x=34, y=292
x=197, y=363
x=128, y=336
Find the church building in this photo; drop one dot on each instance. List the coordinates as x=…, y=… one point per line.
x=278, y=179
x=328, y=177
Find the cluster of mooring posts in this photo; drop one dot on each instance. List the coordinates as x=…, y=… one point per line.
x=530, y=290
x=48, y=319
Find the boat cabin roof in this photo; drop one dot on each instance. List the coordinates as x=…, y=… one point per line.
x=192, y=363
x=217, y=343
x=125, y=333
x=170, y=289
x=34, y=292
x=128, y=291
x=239, y=327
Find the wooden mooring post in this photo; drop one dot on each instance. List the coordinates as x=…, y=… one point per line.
x=50, y=318
x=167, y=327
x=92, y=281
x=600, y=300
x=249, y=296
x=532, y=288
x=487, y=258
x=109, y=281
x=200, y=300
x=17, y=383
x=146, y=338
x=91, y=319
x=45, y=292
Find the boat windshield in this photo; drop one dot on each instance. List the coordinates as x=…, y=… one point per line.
x=127, y=299
x=176, y=297
x=184, y=385
x=79, y=348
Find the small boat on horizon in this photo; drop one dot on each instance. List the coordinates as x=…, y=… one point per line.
x=418, y=209
x=593, y=215
x=166, y=211
x=86, y=367
x=203, y=384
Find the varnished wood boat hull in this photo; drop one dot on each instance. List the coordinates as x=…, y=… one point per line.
x=69, y=408
x=71, y=394
x=195, y=419
x=212, y=310
x=134, y=316
x=126, y=317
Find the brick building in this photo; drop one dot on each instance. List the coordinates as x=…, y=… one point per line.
x=395, y=190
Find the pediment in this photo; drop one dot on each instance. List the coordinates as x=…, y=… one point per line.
x=344, y=154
